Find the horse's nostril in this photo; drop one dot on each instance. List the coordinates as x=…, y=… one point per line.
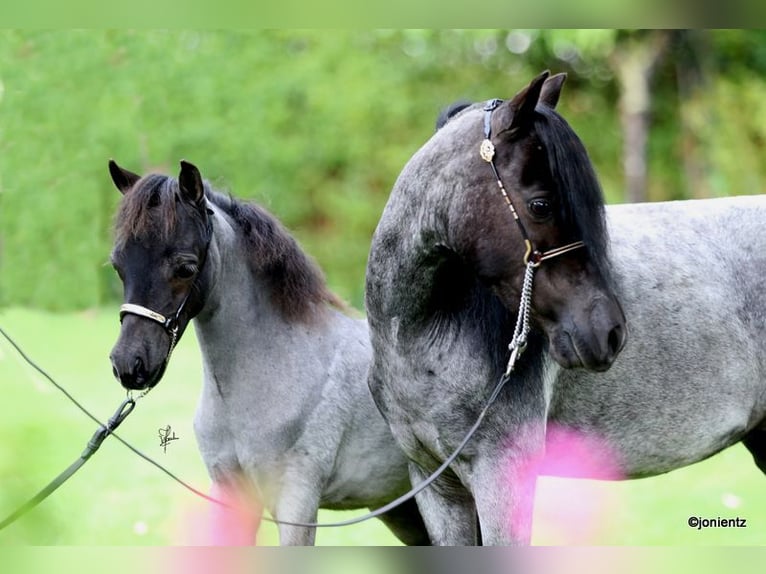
x=614, y=340
x=138, y=366
x=115, y=373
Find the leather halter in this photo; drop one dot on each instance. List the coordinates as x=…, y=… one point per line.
x=487, y=152
x=170, y=324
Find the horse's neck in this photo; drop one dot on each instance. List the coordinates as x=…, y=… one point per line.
x=239, y=328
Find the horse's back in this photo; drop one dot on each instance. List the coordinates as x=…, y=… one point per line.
x=690, y=381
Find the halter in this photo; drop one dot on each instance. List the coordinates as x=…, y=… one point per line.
x=532, y=257
x=487, y=152
x=170, y=323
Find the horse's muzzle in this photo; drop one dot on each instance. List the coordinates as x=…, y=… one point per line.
x=139, y=355
x=132, y=373
x=592, y=343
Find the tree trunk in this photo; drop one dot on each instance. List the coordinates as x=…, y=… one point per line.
x=634, y=63
x=692, y=74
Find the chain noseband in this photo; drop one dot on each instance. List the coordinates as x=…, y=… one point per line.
x=532, y=257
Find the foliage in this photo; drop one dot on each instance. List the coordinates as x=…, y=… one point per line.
x=315, y=125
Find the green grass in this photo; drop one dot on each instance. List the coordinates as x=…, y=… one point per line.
x=119, y=499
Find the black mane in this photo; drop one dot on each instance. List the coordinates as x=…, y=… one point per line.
x=450, y=112
x=298, y=287
x=580, y=194
x=148, y=209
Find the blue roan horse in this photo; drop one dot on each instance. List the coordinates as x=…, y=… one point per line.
x=285, y=412
x=444, y=278
x=690, y=380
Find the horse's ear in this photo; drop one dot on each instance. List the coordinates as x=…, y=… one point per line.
x=190, y=183
x=123, y=179
x=551, y=91
x=518, y=113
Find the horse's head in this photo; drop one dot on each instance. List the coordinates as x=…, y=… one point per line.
x=536, y=193
x=162, y=238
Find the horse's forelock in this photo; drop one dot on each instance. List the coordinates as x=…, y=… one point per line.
x=147, y=209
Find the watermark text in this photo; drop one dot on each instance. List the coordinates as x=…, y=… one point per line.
x=698, y=522
x=165, y=437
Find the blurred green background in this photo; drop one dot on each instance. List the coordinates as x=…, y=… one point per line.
x=316, y=125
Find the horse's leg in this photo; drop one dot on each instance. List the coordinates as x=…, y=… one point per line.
x=755, y=442
x=237, y=523
x=503, y=481
x=504, y=502
x=407, y=524
x=298, y=502
x=447, y=509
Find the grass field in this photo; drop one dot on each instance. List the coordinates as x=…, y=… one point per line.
x=119, y=499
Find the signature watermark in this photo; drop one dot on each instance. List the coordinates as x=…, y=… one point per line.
x=698, y=522
x=165, y=437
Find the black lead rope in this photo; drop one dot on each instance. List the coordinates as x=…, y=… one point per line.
x=90, y=449
x=93, y=444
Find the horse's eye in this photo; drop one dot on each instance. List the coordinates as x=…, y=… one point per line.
x=186, y=271
x=540, y=208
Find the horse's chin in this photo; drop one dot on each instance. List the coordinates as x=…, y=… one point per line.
x=138, y=385
x=144, y=381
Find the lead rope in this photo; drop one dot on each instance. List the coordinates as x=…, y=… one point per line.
x=518, y=344
x=104, y=430
x=93, y=445
x=519, y=341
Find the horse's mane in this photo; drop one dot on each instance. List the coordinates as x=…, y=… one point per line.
x=450, y=112
x=581, y=198
x=297, y=285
